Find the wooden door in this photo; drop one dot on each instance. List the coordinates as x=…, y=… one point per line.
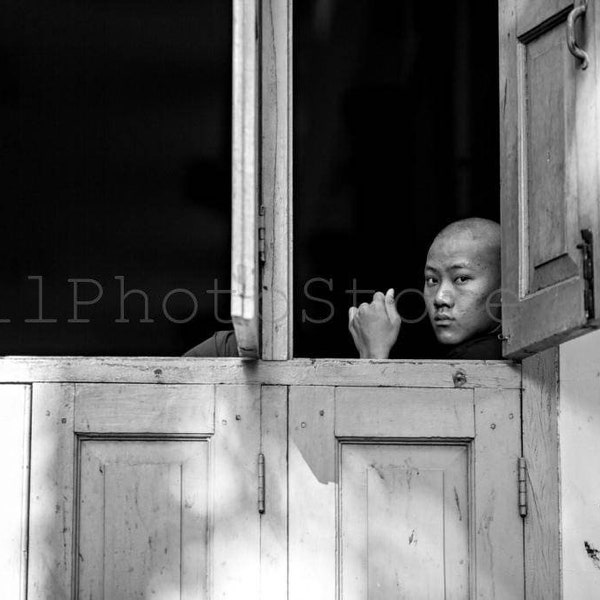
x=404, y=493
x=141, y=491
x=550, y=170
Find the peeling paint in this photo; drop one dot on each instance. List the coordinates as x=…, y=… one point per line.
x=593, y=553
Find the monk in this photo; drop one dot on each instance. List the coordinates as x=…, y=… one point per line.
x=462, y=274
x=462, y=278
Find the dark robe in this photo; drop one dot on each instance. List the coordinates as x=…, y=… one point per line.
x=222, y=343
x=485, y=347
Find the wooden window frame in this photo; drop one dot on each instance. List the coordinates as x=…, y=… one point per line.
x=276, y=162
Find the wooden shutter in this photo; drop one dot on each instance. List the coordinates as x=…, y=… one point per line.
x=244, y=254
x=550, y=169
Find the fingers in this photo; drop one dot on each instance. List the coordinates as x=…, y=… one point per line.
x=390, y=307
x=379, y=304
x=351, y=314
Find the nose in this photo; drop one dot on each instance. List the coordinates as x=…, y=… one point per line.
x=443, y=297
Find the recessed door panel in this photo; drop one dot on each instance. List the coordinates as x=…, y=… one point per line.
x=404, y=529
x=144, y=491
x=143, y=514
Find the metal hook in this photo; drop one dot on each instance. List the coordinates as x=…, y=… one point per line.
x=574, y=49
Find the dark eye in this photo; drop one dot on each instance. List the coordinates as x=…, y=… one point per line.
x=462, y=279
x=430, y=281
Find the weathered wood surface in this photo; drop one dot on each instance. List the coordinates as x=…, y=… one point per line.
x=121, y=408
x=350, y=372
x=497, y=524
x=533, y=12
x=148, y=506
x=541, y=451
x=312, y=494
x=485, y=503
x=402, y=412
x=244, y=171
x=15, y=416
x=235, y=531
x=274, y=530
x=404, y=526
x=276, y=178
x=52, y=496
x=549, y=172
x=143, y=519
x=579, y=435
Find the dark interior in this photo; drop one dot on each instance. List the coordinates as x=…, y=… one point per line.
x=396, y=135
x=115, y=163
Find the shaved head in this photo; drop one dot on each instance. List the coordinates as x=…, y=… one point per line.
x=461, y=273
x=478, y=239
x=483, y=233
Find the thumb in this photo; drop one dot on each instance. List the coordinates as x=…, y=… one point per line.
x=351, y=314
x=390, y=307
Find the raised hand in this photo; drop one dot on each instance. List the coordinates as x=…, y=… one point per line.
x=375, y=326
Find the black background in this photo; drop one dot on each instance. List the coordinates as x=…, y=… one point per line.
x=396, y=135
x=115, y=123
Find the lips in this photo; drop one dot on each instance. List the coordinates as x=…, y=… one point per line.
x=442, y=320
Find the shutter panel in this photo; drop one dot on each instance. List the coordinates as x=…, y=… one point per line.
x=550, y=171
x=244, y=254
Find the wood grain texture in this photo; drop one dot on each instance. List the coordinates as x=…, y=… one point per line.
x=346, y=372
x=579, y=445
x=404, y=523
x=15, y=415
x=549, y=172
x=490, y=506
x=160, y=409
x=274, y=531
x=533, y=12
x=399, y=412
x=244, y=188
x=235, y=519
x=51, y=490
x=312, y=494
x=498, y=529
x=276, y=179
x=593, y=47
x=143, y=519
x=541, y=451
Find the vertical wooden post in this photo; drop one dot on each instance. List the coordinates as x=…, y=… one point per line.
x=276, y=184
x=15, y=415
x=274, y=530
x=541, y=451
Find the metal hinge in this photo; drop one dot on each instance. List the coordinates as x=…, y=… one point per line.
x=261, y=235
x=261, y=483
x=587, y=247
x=522, y=487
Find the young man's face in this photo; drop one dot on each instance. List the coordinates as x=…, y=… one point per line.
x=461, y=273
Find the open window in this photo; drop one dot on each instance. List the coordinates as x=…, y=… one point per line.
x=115, y=171
x=546, y=104
x=395, y=136
x=115, y=96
